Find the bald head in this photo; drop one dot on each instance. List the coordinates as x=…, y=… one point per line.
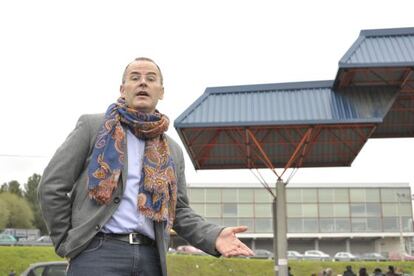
x=145, y=59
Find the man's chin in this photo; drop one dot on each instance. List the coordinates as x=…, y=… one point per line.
x=143, y=108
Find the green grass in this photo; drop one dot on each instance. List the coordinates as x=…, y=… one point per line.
x=19, y=258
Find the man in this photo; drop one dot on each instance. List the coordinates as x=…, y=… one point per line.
x=348, y=271
x=391, y=271
x=115, y=188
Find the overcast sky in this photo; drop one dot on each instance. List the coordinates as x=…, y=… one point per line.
x=61, y=59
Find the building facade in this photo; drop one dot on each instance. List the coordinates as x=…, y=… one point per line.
x=355, y=217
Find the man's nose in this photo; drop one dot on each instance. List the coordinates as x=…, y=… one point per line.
x=142, y=82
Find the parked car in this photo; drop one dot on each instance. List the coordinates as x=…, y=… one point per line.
x=189, y=249
x=43, y=240
x=57, y=268
x=373, y=257
x=345, y=256
x=294, y=255
x=262, y=254
x=6, y=239
x=397, y=256
x=316, y=255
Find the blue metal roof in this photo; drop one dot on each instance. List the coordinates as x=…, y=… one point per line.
x=381, y=48
x=308, y=124
x=287, y=104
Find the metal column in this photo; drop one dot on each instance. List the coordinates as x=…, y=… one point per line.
x=280, y=229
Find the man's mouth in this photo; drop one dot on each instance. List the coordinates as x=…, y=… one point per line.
x=142, y=93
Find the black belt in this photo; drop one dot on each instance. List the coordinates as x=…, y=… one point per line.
x=131, y=238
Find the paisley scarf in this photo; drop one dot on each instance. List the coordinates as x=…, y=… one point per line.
x=157, y=195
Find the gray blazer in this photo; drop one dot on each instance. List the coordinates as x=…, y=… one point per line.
x=73, y=219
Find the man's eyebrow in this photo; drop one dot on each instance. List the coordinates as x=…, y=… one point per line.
x=138, y=73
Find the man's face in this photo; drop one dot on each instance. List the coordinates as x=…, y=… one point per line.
x=142, y=87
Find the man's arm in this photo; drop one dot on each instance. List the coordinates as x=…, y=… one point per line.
x=59, y=178
x=189, y=225
x=209, y=237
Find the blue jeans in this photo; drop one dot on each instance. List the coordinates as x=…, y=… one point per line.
x=107, y=257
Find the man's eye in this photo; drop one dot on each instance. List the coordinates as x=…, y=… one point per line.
x=151, y=78
x=134, y=78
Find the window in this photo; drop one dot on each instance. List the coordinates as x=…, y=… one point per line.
x=407, y=224
x=374, y=225
x=213, y=210
x=326, y=195
x=359, y=224
x=357, y=195
x=293, y=195
x=309, y=195
x=395, y=195
x=229, y=195
x=342, y=225
x=327, y=225
x=196, y=195
x=294, y=225
x=390, y=224
x=310, y=210
x=404, y=209
x=263, y=210
x=263, y=225
x=372, y=195
x=373, y=210
x=341, y=195
x=229, y=210
x=215, y=221
x=229, y=221
x=262, y=196
x=294, y=210
x=249, y=222
x=246, y=195
x=326, y=210
x=341, y=210
x=358, y=210
x=213, y=195
x=310, y=225
x=389, y=210
x=245, y=210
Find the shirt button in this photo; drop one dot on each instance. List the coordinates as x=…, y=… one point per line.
x=116, y=200
x=97, y=227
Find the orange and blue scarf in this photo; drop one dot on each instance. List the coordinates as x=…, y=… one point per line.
x=157, y=195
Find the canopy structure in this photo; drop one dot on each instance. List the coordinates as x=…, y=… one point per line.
x=378, y=58
x=296, y=124
x=309, y=124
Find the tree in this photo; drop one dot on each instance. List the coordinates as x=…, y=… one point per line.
x=4, y=188
x=30, y=195
x=14, y=188
x=30, y=188
x=4, y=214
x=20, y=214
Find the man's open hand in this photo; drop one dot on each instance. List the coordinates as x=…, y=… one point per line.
x=229, y=245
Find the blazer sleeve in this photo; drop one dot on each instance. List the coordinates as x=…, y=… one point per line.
x=59, y=178
x=188, y=224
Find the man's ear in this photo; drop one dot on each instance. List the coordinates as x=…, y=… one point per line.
x=162, y=93
x=121, y=90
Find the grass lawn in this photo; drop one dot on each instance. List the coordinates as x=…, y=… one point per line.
x=20, y=257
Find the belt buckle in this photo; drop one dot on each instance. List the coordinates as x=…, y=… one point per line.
x=132, y=240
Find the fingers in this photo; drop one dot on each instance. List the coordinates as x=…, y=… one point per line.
x=239, y=229
x=238, y=249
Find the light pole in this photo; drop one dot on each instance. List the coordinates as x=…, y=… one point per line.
x=402, y=246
